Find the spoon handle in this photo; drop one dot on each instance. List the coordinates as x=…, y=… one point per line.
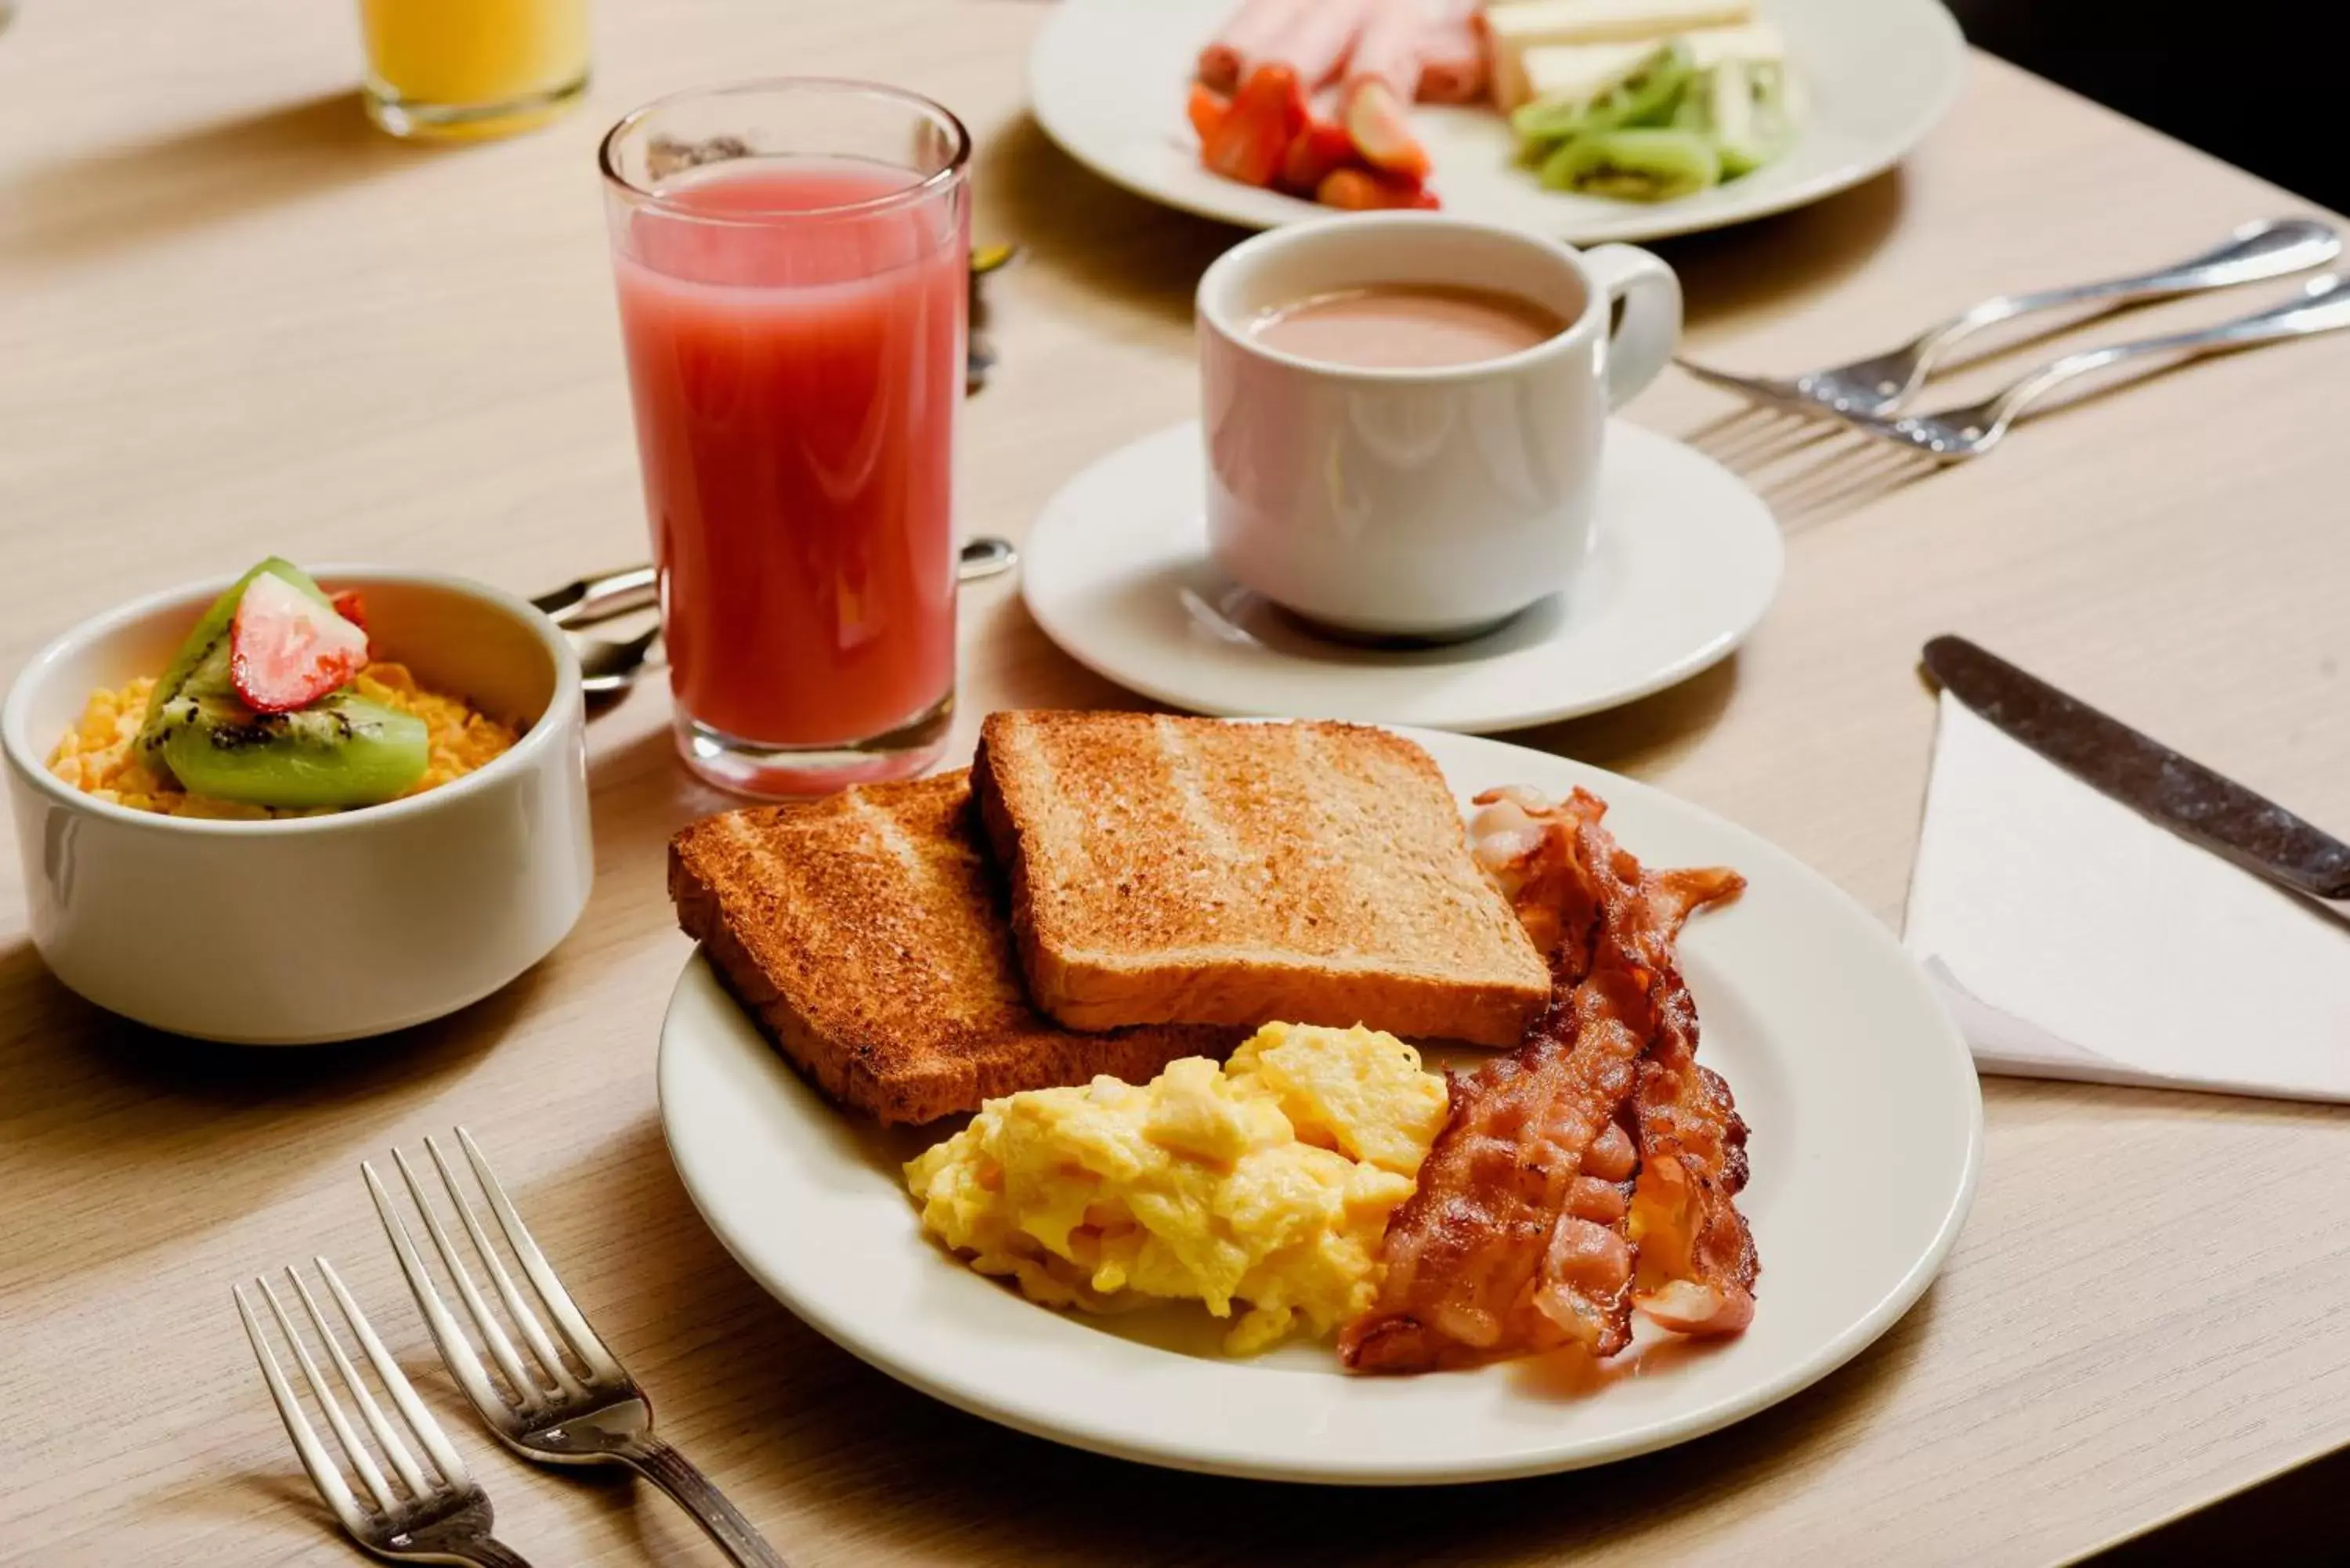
x=615, y=594
x=600, y=598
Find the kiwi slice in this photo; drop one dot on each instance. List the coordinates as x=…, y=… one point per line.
x=342, y=751
x=1746, y=108
x=1753, y=118
x=1648, y=163
x=200, y=669
x=1648, y=96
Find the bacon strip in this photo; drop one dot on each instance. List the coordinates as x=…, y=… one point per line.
x=1696, y=1262
x=1519, y=1237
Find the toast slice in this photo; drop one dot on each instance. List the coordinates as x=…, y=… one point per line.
x=867, y=934
x=1192, y=870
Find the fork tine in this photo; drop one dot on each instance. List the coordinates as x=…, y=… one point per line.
x=519, y=1309
x=370, y=1476
x=456, y=1351
x=528, y=1393
x=369, y=1411
x=568, y=1316
x=395, y=1382
x=323, y=1473
x=1753, y=388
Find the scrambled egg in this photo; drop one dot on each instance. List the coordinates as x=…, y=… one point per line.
x=1266, y=1182
x=99, y=756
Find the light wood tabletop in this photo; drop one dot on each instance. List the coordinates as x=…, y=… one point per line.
x=233, y=318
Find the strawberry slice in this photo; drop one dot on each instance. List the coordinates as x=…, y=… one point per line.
x=1361, y=191
x=1250, y=140
x=1313, y=154
x=1207, y=108
x=285, y=650
x=1380, y=125
x=351, y=608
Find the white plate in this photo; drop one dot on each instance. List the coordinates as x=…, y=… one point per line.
x=1685, y=561
x=1867, y=1133
x=1107, y=78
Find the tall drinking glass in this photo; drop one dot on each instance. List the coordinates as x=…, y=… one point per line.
x=465, y=68
x=792, y=261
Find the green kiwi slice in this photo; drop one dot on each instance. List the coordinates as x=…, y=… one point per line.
x=200, y=669
x=1753, y=119
x=1743, y=107
x=1647, y=97
x=1647, y=163
x=342, y=751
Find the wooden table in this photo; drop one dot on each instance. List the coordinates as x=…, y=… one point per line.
x=234, y=318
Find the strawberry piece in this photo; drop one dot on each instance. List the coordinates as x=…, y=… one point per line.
x=1255, y=131
x=1313, y=154
x=1206, y=108
x=351, y=608
x=1380, y=126
x=1362, y=191
x=1273, y=91
x=285, y=650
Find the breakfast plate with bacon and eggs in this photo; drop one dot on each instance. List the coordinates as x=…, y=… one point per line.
x=1094, y=1090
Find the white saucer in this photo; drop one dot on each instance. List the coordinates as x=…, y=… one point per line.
x=1115, y=570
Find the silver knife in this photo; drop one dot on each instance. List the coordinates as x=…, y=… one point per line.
x=2171, y=790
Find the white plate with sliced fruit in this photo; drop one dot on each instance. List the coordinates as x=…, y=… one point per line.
x=1865, y=1138
x=1650, y=117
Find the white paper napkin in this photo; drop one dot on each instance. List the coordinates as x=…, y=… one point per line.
x=2074, y=938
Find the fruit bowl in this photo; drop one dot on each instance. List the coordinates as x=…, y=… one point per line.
x=312, y=928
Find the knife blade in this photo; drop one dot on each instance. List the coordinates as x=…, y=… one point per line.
x=2173, y=792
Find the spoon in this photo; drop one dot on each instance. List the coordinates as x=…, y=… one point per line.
x=609, y=665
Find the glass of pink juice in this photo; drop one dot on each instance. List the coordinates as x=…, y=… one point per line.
x=792, y=264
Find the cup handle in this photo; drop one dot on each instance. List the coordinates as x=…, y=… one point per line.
x=1644, y=337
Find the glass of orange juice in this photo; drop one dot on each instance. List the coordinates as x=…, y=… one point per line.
x=460, y=68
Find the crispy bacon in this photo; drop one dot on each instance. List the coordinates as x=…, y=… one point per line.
x=1520, y=1237
x=1696, y=1262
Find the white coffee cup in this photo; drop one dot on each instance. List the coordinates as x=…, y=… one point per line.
x=1429, y=503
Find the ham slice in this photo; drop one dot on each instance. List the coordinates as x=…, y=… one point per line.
x=1320, y=37
x=1433, y=50
x=1245, y=40
x=1388, y=49
x=1426, y=49
x=1453, y=59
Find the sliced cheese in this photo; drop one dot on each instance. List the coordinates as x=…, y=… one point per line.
x=1577, y=71
x=1538, y=23
x=1586, y=70
x=1756, y=43
x=1611, y=21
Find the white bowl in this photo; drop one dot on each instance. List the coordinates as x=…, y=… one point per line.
x=309, y=929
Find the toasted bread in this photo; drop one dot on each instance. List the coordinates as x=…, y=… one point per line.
x=867, y=936
x=1189, y=870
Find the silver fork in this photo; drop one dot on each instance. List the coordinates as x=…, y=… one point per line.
x=586, y=1411
x=2268, y=249
x=442, y=1518
x=1957, y=434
